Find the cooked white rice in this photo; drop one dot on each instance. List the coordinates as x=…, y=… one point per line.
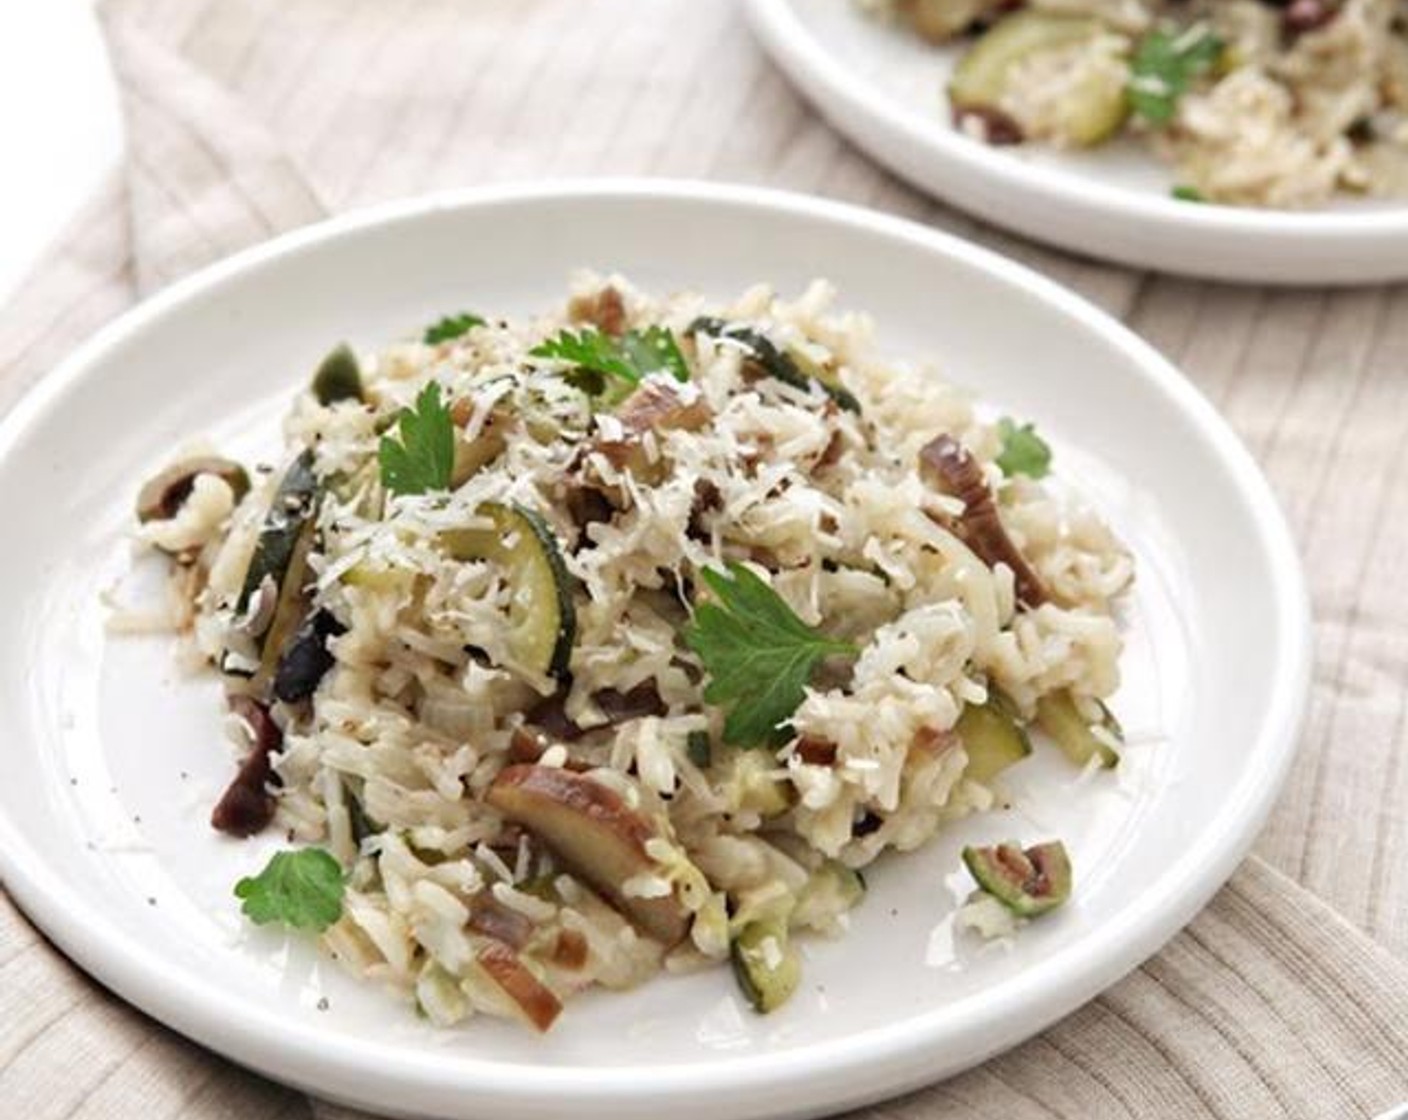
x=1305, y=101
x=420, y=710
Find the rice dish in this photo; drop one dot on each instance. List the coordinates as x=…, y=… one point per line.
x=1251, y=102
x=623, y=638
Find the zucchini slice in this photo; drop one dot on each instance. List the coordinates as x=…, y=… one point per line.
x=542, y=618
x=289, y=608
x=1030, y=882
x=1090, y=112
x=750, y=783
x=1058, y=715
x=832, y=889
x=294, y=505
x=993, y=737
x=281, y=557
x=780, y=364
x=767, y=968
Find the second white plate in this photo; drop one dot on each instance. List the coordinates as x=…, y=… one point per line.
x=883, y=88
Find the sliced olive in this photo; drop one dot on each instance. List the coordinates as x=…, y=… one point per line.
x=992, y=737
x=766, y=966
x=1090, y=110
x=1058, y=715
x=1028, y=883
x=166, y=492
x=338, y=377
x=542, y=618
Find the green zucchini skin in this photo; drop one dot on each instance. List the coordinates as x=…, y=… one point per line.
x=295, y=504
x=766, y=986
x=776, y=363
x=535, y=565
x=562, y=587
x=993, y=737
x=1058, y=716
x=281, y=555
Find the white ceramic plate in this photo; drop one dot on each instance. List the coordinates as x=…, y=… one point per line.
x=113, y=758
x=884, y=88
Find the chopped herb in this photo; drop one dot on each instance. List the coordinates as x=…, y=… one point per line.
x=698, y=749
x=1188, y=194
x=759, y=655
x=451, y=326
x=630, y=358
x=425, y=455
x=654, y=350
x=1023, y=451
x=362, y=825
x=300, y=889
x=1165, y=64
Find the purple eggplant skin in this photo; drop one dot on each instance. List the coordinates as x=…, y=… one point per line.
x=307, y=659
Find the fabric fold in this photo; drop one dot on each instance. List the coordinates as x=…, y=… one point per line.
x=85, y=279
x=204, y=178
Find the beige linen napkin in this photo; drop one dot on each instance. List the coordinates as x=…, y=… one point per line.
x=1287, y=997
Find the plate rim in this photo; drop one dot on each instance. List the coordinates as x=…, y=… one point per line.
x=255, y=1036
x=812, y=67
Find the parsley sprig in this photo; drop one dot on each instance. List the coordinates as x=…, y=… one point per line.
x=1164, y=66
x=759, y=655
x=450, y=327
x=1023, y=451
x=424, y=456
x=301, y=889
x=630, y=358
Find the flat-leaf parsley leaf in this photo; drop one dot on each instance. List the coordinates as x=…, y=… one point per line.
x=759, y=655
x=301, y=889
x=450, y=327
x=1164, y=65
x=1023, y=451
x=425, y=455
x=630, y=358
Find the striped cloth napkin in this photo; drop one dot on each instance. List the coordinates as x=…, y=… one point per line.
x=1287, y=997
